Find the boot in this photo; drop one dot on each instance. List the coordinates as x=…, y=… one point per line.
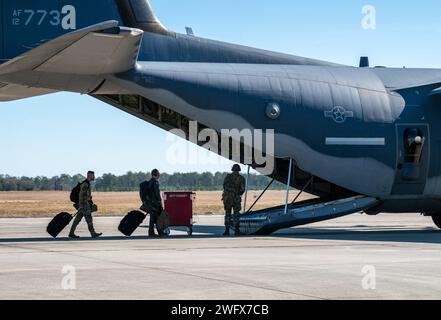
x=90, y=226
x=227, y=232
x=73, y=236
x=237, y=233
x=162, y=235
x=152, y=233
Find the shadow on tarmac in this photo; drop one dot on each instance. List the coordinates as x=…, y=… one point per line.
x=428, y=235
x=389, y=234
x=203, y=232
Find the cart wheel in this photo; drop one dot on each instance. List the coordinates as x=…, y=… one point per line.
x=190, y=231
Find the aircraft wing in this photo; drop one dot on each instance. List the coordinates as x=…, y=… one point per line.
x=10, y=92
x=404, y=79
x=104, y=48
x=75, y=62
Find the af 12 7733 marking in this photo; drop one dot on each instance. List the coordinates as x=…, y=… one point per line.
x=66, y=17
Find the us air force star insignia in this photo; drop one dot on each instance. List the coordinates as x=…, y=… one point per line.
x=339, y=114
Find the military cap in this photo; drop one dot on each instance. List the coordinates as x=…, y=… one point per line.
x=236, y=168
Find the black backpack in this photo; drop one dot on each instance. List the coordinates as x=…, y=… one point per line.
x=147, y=205
x=75, y=194
x=144, y=191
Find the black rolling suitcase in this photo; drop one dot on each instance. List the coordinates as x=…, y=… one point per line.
x=131, y=222
x=58, y=223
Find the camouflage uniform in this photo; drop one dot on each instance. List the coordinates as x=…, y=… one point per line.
x=234, y=188
x=85, y=209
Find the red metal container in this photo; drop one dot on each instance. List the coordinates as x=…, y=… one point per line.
x=179, y=206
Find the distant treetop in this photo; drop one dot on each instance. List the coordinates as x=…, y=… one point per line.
x=192, y=181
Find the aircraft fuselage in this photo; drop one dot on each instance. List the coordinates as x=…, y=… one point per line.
x=341, y=124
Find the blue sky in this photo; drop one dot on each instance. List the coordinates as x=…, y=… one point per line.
x=69, y=133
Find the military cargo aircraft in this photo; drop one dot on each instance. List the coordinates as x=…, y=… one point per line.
x=359, y=138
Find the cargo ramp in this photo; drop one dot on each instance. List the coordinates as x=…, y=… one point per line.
x=268, y=221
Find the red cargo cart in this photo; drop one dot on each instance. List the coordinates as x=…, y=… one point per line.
x=179, y=206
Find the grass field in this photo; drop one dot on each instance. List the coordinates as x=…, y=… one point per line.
x=47, y=204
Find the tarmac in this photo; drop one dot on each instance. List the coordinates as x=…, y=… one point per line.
x=355, y=257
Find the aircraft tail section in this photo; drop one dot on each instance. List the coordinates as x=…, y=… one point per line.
x=77, y=61
x=28, y=24
x=66, y=45
x=100, y=49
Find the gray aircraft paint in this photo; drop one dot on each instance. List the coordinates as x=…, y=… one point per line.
x=170, y=85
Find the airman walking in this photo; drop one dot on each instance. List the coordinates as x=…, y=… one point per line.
x=152, y=202
x=85, y=208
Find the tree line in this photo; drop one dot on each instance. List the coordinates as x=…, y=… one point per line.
x=130, y=182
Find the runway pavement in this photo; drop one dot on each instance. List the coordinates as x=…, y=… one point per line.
x=356, y=257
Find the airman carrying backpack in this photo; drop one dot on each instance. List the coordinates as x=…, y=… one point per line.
x=75, y=194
